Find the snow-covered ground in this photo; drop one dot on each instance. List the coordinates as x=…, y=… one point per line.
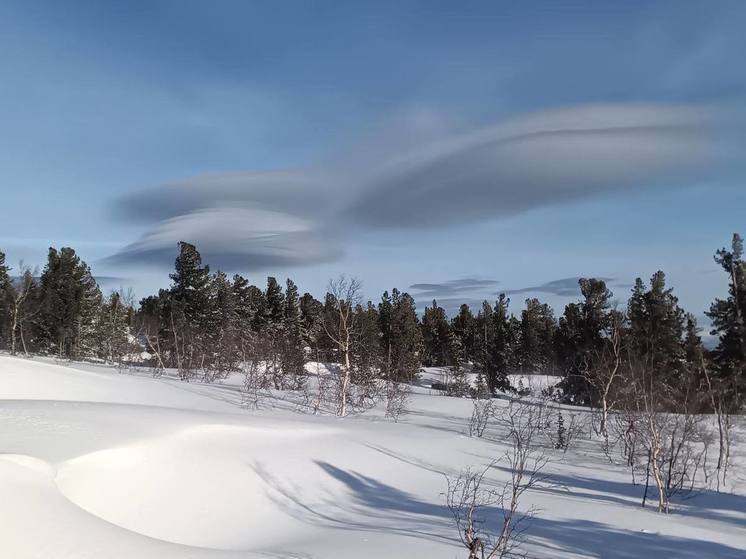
x=443, y=376
x=97, y=463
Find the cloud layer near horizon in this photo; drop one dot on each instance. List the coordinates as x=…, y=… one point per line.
x=250, y=220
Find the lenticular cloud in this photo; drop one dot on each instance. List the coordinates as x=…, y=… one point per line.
x=295, y=217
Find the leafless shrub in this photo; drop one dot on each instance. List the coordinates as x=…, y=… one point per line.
x=396, y=394
x=480, y=416
x=473, y=502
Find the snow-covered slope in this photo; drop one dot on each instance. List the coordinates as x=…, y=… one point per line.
x=97, y=463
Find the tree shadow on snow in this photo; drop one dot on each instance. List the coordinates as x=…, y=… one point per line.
x=380, y=507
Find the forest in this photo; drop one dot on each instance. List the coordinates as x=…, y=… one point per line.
x=207, y=325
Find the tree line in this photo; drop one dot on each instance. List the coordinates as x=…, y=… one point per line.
x=207, y=325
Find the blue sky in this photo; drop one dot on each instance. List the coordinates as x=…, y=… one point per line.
x=403, y=142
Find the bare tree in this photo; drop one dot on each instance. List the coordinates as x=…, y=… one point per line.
x=480, y=416
x=606, y=372
x=340, y=328
x=716, y=395
x=20, y=310
x=474, y=503
x=674, y=440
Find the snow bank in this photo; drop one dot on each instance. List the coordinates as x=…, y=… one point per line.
x=96, y=463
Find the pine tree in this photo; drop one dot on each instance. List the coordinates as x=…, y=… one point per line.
x=113, y=328
x=189, y=311
x=580, y=338
x=728, y=316
x=275, y=309
x=293, y=356
x=190, y=287
x=69, y=306
x=401, y=337
x=693, y=349
x=311, y=311
x=656, y=324
x=5, y=300
x=463, y=327
x=246, y=301
x=223, y=327
x=366, y=352
x=484, y=364
x=536, y=334
x=386, y=326
x=503, y=345
x=435, y=336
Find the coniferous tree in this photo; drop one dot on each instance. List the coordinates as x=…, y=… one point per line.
x=436, y=337
x=484, y=363
x=693, y=350
x=189, y=311
x=580, y=338
x=503, y=345
x=68, y=307
x=536, y=334
x=113, y=328
x=5, y=300
x=311, y=311
x=293, y=356
x=401, y=337
x=223, y=333
x=463, y=327
x=275, y=307
x=728, y=317
x=656, y=327
x=366, y=352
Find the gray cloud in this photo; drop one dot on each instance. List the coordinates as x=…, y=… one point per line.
x=451, y=287
x=565, y=287
x=234, y=239
x=292, y=217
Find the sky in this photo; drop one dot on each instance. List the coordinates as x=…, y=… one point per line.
x=454, y=150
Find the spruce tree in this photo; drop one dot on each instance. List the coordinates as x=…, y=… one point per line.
x=69, y=306
x=5, y=300
x=401, y=337
x=293, y=355
x=580, y=338
x=275, y=309
x=484, y=358
x=503, y=345
x=463, y=327
x=728, y=317
x=656, y=325
x=311, y=311
x=435, y=336
x=190, y=316
x=536, y=334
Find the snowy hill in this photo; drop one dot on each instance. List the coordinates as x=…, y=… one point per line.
x=97, y=463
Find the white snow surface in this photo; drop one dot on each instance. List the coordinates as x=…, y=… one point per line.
x=99, y=463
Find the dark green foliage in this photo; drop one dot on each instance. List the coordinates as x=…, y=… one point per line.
x=656, y=323
x=463, y=327
x=5, y=299
x=69, y=303
x=536, y=334
x=729, y=315
x=580, y=338
x=293, y=357
x=274, y=310
x=436, y=334
x=401, y=337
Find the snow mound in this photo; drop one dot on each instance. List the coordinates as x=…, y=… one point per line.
x=197, y=487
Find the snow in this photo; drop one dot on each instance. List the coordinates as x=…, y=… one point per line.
x=99, y=463
x=533, y=383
